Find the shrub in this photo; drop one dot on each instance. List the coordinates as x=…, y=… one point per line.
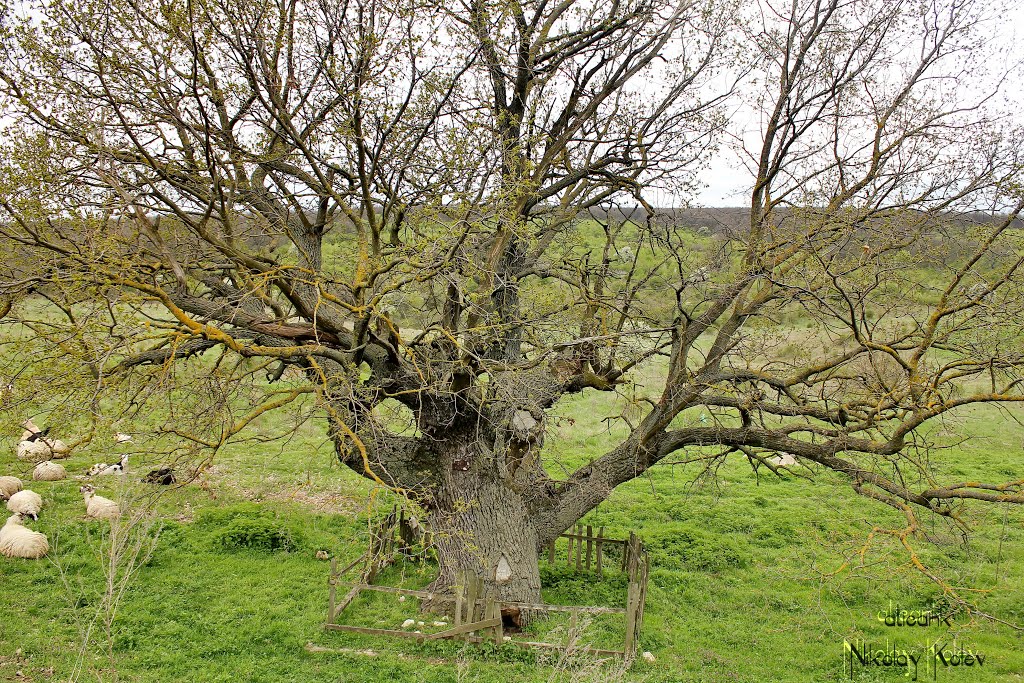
x=254, y=533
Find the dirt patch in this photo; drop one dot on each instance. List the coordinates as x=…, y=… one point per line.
x=316, y=500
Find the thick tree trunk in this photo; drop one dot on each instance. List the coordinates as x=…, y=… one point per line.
x=481, y=525
x=483, y=511
x=484, y=528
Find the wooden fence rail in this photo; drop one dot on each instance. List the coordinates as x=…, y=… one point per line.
x=587, y=551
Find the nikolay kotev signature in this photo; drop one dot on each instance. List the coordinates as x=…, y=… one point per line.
x=937, y=654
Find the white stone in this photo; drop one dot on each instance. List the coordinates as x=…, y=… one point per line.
x=523, y=424
x=408, y=622
x=648, y=657
x=440, y=623
x=504, y=572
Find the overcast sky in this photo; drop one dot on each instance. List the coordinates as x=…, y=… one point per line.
x=728, y=183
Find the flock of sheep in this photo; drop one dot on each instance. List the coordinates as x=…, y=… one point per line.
x=17, y=540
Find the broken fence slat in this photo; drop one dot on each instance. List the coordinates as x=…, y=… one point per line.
x=347, y=600
x=348, y=567
x=471, y=598
x=465, y=628
x=459, y=593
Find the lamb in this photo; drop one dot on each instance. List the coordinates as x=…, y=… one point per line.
x=17, y=541
x=27, y=503
x=102, y=469
x=97, y=507
x=9, y=486
x=49, y=471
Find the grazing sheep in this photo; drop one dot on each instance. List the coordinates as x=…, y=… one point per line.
x=101, y=469
x=49, y=471
x=96, y=468
x=26, y=502
x=42, y=449
x=161, y=475
x=34, y=451
x=17, y=541
x=59, y=448
x=98, y=507
x=9, y=486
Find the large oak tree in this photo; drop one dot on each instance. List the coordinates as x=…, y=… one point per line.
x=417, y=211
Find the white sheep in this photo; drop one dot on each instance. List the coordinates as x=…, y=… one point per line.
x=49, y=471
x=98, y=507
x=102, y=469
x=59, y=448
x=9, y=486
x=783, y=460
x=34, y=451
x=17, y=541
x=42, y=449
x=26, y=502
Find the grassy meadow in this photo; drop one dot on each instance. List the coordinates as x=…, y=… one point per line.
x=753, y=577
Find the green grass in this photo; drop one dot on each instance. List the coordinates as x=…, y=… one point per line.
x=753, y=577
x=745, y=585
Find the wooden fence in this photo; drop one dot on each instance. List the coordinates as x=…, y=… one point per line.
x=477, y=614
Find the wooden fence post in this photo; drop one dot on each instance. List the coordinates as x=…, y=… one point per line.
x=460, y=588
x=631, y=600
x=579, y=546
x=471, y=597
x=590, y=544
x=600, y=546
x=494, y=612
x=332, y=581
x=645, y=570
